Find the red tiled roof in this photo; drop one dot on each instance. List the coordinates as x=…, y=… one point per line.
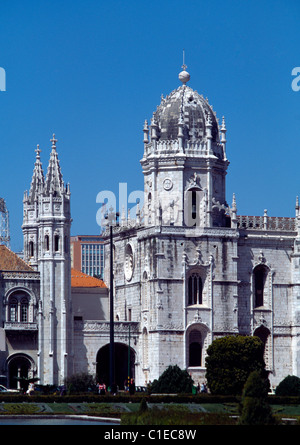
x=10, y=261
x=80, y=279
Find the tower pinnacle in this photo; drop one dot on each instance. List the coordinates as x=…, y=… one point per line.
x=184, y=76
x=37, y=182
x=53, y=140
x=54, y=181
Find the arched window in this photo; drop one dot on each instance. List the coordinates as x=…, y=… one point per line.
x=13, y=309
x=56, y=243
x=195, y=348
x=145, y=348
x=145, y=287
x=192, y=208
x=46, y=242
x=24, y=310
x=260, y=275
x=265, y=335
x=31, y=249
x=18, y=307
x=194, y=204
x=129, y=262
x=194, y=289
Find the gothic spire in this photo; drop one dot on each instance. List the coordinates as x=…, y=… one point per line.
x=37, y=182
x=54, y=181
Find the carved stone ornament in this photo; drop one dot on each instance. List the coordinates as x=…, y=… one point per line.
x=194, y=181
x=261, y=257
x=168, y=184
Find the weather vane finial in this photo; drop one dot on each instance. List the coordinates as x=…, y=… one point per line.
x=184, y=67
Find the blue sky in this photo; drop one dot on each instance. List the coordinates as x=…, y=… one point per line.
x=92, y=71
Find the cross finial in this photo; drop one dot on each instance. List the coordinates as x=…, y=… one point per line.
x=53, y=140
x=184, y=76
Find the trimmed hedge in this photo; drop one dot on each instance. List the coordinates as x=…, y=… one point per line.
x=119, y=398
x=136, y=398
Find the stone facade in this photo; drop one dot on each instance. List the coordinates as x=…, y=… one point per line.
x=187, y=268
x=20, y=289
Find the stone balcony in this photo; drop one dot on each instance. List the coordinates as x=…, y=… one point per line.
x=20, y=326
x=104, y=326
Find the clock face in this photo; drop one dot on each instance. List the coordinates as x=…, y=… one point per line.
x=168, y=184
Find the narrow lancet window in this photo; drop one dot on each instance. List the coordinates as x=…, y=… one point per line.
x=56, y=243
x=195, y=289
x=260, y=274
x=47, y=242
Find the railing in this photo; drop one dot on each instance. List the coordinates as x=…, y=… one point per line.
x=104, y=326
x=20, y=326
x=267, y=223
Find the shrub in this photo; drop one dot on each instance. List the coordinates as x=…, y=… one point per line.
x=173, y=381
x=229, y=362
x=78, y=383
x=143, y=406
x=255, y=409
x=289, y=386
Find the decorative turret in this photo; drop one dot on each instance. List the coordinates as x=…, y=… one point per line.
x=54, y=182
x=223, y=136
x=146, y=132
x=46, y=231
x=233, y=213
x=185, y=141
x=38, y=181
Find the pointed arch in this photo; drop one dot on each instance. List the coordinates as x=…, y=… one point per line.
x=195, y=348
x=264, y=334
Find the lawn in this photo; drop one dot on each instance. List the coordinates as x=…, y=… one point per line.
x=161, y=414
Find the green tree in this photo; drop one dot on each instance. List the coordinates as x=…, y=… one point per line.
x=173, y=380
x=229, y=362
x=289, y=386
x=255, y=409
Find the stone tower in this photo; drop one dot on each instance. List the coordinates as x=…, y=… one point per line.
x=184, y=161
x=46, y=230
x=175, y=268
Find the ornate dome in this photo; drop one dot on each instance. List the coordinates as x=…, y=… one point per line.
x=186, y=104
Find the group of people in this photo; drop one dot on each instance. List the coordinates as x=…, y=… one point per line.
x=101, y=388
x=201, y=388
x=128, y=386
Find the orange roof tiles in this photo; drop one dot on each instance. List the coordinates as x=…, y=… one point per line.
x=10, y=261
x=80, y=279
